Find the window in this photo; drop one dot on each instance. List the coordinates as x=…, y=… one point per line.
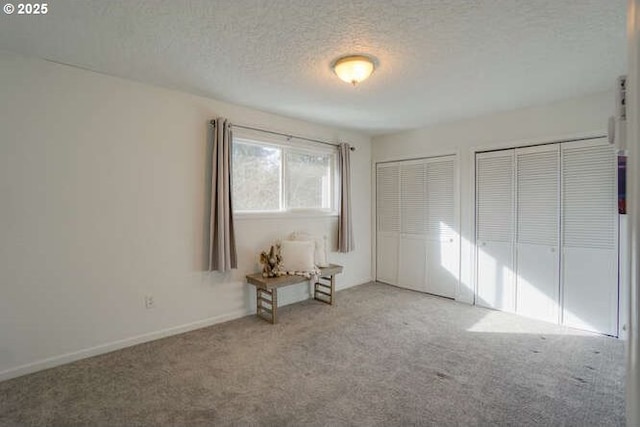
x=279, y=178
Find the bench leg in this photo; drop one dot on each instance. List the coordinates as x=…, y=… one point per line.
x=274, y=306
x=270, y=299
x=333, y=289
x=325, y=291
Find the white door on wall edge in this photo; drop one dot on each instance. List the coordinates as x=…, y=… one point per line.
x=590, y=237
x=495, y=230
x=387, y=222
x=413, y=218
x=443, y=243
x=538, y=232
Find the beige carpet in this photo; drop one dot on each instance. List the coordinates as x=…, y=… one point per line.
x=381, y=357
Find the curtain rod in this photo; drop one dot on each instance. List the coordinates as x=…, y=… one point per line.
x=288, y=136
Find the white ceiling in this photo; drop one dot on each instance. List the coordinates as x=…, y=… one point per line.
x=440, y=60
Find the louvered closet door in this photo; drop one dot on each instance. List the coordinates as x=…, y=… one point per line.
x=413, y=209
x=589, y=237
x=537, y=232
x=443, y=254
x=495, y=229
x=388, y=222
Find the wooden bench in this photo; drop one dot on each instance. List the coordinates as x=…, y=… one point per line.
x=267, y=290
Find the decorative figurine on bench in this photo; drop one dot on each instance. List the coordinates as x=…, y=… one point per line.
x=271, y=262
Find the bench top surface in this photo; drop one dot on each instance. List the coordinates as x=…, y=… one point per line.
x=257, y=280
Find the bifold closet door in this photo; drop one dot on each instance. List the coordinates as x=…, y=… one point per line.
x=537, y=232
x=417, y=242
x=589, y=237
x=388, y=222
x=413, y=218
x=495, y=229
x=443, y=254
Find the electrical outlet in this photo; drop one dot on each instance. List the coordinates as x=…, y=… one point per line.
x=149, y=302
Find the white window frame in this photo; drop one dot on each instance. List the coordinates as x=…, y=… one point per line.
x=297, y=147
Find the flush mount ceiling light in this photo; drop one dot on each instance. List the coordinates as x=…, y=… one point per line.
x=354, y=68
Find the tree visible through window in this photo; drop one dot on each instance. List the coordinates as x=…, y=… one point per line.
x=256, y=177
x=308, y=179
x=268, y=178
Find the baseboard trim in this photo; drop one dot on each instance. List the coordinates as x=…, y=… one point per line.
x=63, y=359
x=347, y=286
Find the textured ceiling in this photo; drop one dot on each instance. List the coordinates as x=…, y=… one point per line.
x=439, y=60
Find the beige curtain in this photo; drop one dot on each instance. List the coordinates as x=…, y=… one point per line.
x=222, y=243
x=345, y=226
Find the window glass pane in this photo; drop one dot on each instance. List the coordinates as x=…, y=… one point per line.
x=308, y=180
x=256, y=177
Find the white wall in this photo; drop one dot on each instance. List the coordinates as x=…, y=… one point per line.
x=580, y=117
x=103, y=201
